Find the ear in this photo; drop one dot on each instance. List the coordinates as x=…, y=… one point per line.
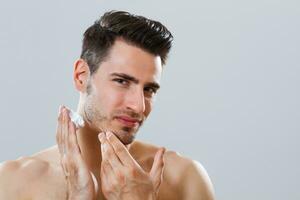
x=81, y=75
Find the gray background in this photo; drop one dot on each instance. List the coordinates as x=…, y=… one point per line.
x=230, y=91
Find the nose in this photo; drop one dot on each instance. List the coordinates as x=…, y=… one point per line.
x=135, y=100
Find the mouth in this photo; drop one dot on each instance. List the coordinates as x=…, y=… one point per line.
x=128, y=121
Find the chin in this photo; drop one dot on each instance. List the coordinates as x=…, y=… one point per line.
x=125, y=136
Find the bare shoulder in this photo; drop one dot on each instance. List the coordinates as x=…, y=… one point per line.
x=19, y=178
x=191, y=177
x=181, y=174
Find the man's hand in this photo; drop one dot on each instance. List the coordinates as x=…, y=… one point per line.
x=122, y=178
x=81, y=182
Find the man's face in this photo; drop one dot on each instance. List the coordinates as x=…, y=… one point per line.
x=121, y=92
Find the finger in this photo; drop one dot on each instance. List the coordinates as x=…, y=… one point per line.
x=58, y=131
x=157, y=167
x=64, y=164
x=65, y=130
x=60, y=140
x=73, y=145
x=65, y=148
x=120, y=150
x=108, y=153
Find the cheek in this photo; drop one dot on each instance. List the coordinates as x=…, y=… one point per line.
x=110, y=99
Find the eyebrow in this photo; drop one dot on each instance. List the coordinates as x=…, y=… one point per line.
x=135, y=80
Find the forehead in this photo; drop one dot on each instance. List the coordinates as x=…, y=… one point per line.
x=131, y=60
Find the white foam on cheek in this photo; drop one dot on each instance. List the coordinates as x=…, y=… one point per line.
x=76, y=119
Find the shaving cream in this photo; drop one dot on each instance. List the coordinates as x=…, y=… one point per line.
x=76, y=119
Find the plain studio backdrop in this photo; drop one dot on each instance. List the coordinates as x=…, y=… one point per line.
x=229, y=97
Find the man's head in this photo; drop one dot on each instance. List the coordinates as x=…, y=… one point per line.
x=119, y=72
x=139, y=31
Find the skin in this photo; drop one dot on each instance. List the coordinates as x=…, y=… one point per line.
x=102, y=160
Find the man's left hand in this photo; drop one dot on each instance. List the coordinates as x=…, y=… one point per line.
x=122, y=178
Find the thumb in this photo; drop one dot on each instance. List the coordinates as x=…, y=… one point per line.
x=157, y=167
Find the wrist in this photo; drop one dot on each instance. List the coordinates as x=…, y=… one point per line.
x=151, y=197
x=84, y=195
x=85, y=192
x=145, y=197
x=80, y=197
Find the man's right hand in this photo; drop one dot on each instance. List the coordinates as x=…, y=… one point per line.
x=82, y=184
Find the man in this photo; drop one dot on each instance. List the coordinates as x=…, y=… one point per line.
x=117, y=76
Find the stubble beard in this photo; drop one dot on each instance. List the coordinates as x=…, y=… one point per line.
x=99, y=122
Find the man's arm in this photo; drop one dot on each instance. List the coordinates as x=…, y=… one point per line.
x=196, y=183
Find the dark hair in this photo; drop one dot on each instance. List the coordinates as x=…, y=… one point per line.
x=144, y=33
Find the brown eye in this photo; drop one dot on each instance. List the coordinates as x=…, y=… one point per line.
x=150, y=91
x=121, y=81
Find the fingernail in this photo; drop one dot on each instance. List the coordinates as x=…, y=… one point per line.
x=66, y=111
x=101, y=137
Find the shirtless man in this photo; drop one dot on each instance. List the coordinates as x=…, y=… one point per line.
x=117, y=76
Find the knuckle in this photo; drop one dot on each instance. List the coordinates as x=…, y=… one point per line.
x=132, y=172
x=72, y=165
x=120, y=177
x=161, y=164
x=109, y=153
x=107, y=191
x=157, y=185
x=107, y=188
x=114, y=184
x=105, y=164
x=64, y=161
x=119, y=150
x=74, y=171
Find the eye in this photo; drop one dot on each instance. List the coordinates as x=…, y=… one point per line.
x=150, y=91
x=121, y=81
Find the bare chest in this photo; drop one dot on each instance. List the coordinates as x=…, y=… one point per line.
x=56, y=189
x=165, y=193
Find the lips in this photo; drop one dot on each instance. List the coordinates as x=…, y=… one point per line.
x=128, y=121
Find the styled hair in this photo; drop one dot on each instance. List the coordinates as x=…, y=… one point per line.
x=142, y=32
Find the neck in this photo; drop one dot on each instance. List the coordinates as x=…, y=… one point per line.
x=88, y=142
x=90, y=148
